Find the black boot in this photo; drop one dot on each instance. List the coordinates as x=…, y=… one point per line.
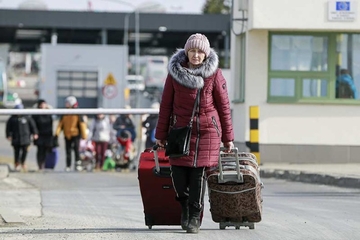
x=184, y=214
x=194, y=220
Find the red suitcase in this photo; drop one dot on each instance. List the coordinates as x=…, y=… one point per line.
x=157, y=192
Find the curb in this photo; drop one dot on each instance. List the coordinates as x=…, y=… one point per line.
x=314, y=178
x=4, y=170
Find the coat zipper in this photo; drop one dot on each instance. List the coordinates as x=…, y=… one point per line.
x=198, y=132
x=215, y=125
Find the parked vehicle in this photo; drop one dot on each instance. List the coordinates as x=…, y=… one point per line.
x=154, y=71
x=135, y=82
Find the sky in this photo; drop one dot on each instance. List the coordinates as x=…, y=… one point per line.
x=171, y=6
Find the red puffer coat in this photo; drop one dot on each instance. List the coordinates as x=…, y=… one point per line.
x=212, y=125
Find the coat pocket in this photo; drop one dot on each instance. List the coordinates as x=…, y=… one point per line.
x=215, y=125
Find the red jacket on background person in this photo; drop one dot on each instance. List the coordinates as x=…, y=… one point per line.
x=212, y=125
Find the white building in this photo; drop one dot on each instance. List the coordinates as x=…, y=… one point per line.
x=285, y=58
x=94, y=74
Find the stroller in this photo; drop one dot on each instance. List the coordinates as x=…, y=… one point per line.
x=124, y=151
x=87, y=156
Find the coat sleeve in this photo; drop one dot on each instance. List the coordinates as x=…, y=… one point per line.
x=59, y=127
x=82, y=127
x=166, y=109
x=8, y=131
x=222, y=105
x=91, y=129
x=117, y=124
x=33, y=128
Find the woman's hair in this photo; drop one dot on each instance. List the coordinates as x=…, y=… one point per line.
x=344, y=71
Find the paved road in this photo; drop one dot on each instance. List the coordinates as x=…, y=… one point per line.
x=109, y=206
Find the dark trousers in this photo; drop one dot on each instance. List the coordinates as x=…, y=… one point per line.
x=72, y=144
x=41, y=155
x=20, y=153
x=100, y=148
x=189, y=184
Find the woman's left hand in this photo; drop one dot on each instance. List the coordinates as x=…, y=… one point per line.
x=228, y=146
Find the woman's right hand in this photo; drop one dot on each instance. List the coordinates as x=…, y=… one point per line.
x=161, y=143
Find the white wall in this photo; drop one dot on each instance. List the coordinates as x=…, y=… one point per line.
x=102, y=58
x=295, y=15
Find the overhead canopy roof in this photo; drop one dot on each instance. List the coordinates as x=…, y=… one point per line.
x=25, y=30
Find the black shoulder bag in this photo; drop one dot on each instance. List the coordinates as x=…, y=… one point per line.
x=178, y=141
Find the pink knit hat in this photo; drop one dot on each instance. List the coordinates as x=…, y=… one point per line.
x=198, y=41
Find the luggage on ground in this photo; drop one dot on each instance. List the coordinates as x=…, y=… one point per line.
x=235, y=190
x=157, y=192
x=51, y=158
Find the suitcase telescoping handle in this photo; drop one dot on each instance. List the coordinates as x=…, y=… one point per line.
x=156, y=157
x=229, y=175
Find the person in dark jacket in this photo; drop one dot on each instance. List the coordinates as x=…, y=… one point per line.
x=44, y=124
x=19, y=129
x=193, y=69
x=125, y=122
x=74, y=128
x=345, y=86
x=150, y=125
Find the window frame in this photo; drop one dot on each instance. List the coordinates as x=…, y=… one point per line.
x=329, y=75
x=239, y=89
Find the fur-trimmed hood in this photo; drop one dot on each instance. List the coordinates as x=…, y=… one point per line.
x=192, y=78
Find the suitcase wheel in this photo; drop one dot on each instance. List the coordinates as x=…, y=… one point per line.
x=222, y=225
x=252, y=226
x=150, y=226
x=237, y=227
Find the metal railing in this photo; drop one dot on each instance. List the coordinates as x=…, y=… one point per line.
x=63, y=111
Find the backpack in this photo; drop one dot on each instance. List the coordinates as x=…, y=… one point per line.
x=345, y=91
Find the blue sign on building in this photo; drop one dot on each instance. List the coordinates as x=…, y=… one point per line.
x=342, y=6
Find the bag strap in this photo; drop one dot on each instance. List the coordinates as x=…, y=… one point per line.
x=196, y=104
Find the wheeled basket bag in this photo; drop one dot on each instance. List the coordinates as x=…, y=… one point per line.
x=235, y=190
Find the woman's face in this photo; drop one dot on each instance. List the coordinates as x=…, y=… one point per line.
x=68, y=105
x=42, y=105
x=196, y=56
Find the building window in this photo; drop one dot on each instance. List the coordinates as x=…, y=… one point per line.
x=314, y=87
x=282, y=87
x=299, y=53
x=347, y=66
x=77, y=83
x=321, y=67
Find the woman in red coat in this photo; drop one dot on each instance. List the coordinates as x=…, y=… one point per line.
x=192, y=69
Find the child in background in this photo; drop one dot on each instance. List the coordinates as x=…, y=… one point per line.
x=125, y=150
x=109, y=163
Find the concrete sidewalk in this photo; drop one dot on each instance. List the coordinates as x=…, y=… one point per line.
x=340, y=175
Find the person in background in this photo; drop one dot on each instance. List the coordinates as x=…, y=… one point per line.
x=150, y=125
x=109, y=163
x=113, y=140
x=74, y=128
x=345, y=86
x=193, y=69
x=44, y=124
x=126, y=149
x=19, y=129
x=100, y=130
x=125, y=122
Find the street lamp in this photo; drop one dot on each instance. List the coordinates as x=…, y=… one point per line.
x=137, y=36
